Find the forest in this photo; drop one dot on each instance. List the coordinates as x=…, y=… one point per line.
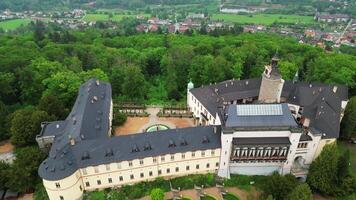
x=41, y=68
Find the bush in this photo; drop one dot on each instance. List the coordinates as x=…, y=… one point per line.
x=157, y=194
x=119, y=119
x=301, y=192
x=40, y=193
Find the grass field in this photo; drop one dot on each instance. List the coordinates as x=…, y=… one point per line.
x=265, y=19
x=13, y=24
x=105, y=17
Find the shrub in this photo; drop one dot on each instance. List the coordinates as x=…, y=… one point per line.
x=119, y=119
x=157, y=194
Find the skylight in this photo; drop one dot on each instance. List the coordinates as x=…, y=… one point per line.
x=259, y=110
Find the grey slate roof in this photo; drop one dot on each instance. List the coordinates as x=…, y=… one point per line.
x=94, y=146
x=117, y=149
x=255, y=121
x=308, y=95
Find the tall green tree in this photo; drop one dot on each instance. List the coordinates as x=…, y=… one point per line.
x=348, y=124
x=23, y=173
x=300, y=192
x=53, y=106
x=280, y=186
x=323, y=170
x=8, y=87
x=26, y=124
x=4, y=112
x=134, y=83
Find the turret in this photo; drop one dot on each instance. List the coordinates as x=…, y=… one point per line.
x=272, y=83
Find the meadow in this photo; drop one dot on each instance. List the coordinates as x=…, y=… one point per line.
x=13, y=24
x=105, y=17
x=265, y=19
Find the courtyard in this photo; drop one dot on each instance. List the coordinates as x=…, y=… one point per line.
x=141, y=124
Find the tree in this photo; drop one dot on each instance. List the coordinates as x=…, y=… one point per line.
x=26, y=124
x=23, y=173
x=280, y=186
x=8, y=89
x=4, y=167
x=348, y=124
x=323, y=170
x=4, y=132
x=63, y=84
x=39, y=31
x=157, y=194
x=53, y=106
x=134, y=83
x=32, y=77
x=301, y=192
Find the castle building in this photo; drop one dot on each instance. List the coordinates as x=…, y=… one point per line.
x=254, y=126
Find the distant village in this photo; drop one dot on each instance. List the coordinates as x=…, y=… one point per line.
x=325, y=38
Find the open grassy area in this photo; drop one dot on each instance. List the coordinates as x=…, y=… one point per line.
x=230, y=196
x=265, y=19
x=207, y=197
x=105, y=17
x=343, y=145
x=13, y=24
x=96, y=17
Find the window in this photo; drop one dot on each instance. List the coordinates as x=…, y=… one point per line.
x=87, y=184
x=142, y=175
x=217, y=164
x=202, y=153
x=121, y=178
x=196, y=166
x=58, y=185
x=187, y=168
x=183, y=156
x=107, y=167
x=84, y=170
x=154, y=160
x=96, y=169
x=159, y=172
x=207, y=165
x=172, y=157
x=162, y=158
x=132, y=176
x=168, y=170
x=193, y=154
x=130, y=163
x=150, y=173
x=141, y=162
x=302, y=145
x=212, y=152
x=177, y=169
x=61, y=198
x=80, y=188
x=99, y=182
x=110, y=180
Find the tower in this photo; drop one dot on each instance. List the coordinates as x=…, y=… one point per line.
x=271, y=84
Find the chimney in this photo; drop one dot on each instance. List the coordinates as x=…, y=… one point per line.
x=72, y=141
x=97, y=82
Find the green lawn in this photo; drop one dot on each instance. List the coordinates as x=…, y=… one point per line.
x=13, y=24
x=207, y=197
x=105, y=17
x=96, y=17
x=265, y=19
x=352, y=148
x=230, y=196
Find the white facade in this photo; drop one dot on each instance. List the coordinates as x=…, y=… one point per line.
x=129, y=172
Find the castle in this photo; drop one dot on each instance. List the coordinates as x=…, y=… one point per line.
x=254, y=126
